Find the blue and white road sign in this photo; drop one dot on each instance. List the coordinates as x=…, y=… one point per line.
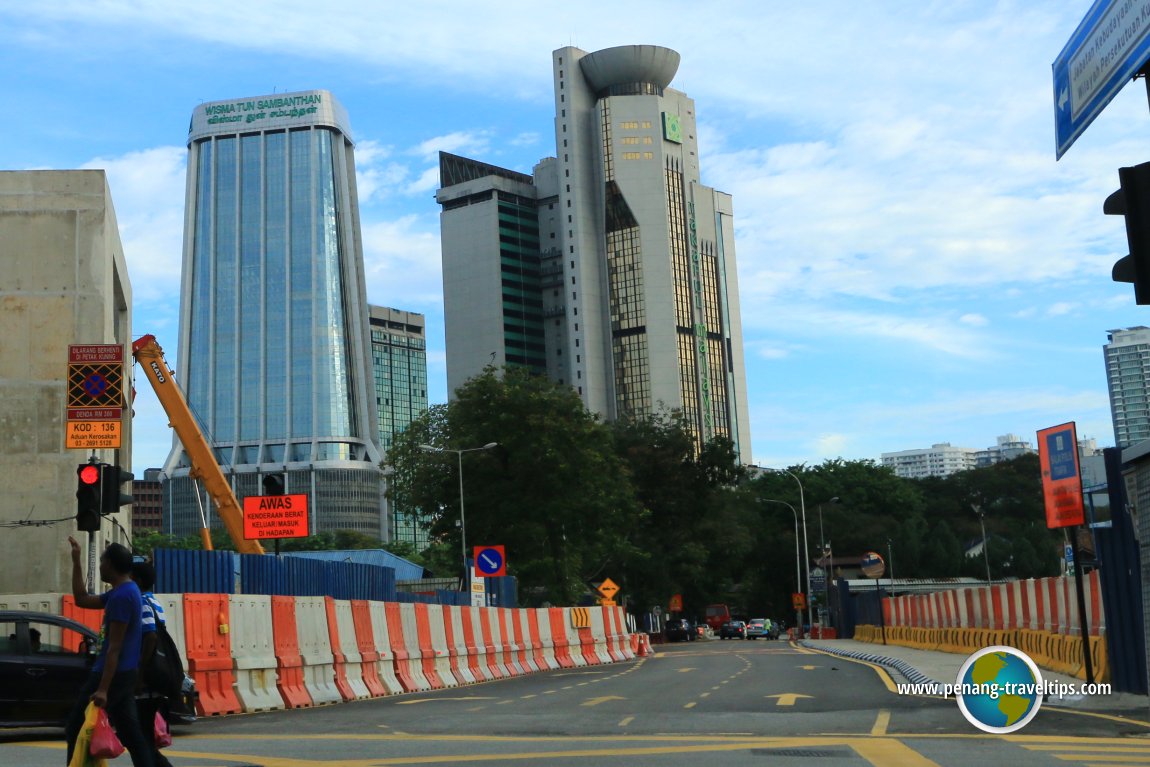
x=490, y=561
x=1108, y=48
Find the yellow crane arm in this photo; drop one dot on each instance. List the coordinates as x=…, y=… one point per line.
x=204, y=465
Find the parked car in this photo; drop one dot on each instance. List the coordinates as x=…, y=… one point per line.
x=759, y=627
x=679, y=630
x=44, y=660
x=733, y=630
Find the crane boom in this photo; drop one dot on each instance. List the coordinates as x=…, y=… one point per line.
x=204, y=465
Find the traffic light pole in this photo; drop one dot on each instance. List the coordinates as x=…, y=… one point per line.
x=91, y=562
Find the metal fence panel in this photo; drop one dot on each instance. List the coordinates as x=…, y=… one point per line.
x=195, y=572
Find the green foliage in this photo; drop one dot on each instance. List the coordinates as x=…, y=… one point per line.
x=643, y=502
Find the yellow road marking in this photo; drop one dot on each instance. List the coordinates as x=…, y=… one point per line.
x=787, y=698
x=690, y=705
x=626, y=721
x=705, y=694
x=880, y=723
x=888, y=751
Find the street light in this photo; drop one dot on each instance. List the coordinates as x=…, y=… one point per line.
x=985, y=553
x=462, y=519
x=828, y=560
x=798, y=557
x=806, y=547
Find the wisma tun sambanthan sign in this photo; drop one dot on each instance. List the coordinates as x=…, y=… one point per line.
x=1108, y=48
x=275, y=112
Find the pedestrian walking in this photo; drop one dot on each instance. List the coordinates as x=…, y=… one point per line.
x=112, y=683
x=150, y=700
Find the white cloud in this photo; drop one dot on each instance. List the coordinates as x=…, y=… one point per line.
x=458, y=142
x=148, y=194
x=402, y=262
x=977, y=320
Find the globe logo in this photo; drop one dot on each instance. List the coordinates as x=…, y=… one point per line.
x=999, y=689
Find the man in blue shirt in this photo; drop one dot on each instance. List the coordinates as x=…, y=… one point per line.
x=112, y=684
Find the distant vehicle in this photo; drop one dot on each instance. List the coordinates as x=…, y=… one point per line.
x=733, y=630
x=759, y=627
x=679, y=630
x=717, y=615
x=44, y=660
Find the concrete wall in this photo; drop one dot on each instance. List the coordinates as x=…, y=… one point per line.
x=64, y=282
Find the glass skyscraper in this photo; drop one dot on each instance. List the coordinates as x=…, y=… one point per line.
x=633, y=269
x=1128, y=378
x=399, y=363
x=273, y=322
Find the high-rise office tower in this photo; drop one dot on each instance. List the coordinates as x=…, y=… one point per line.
x=399, y=364
x=1128, y=378
x=635, y=262
x=274, y=343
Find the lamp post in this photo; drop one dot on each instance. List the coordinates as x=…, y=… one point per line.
x=985, y=552
x=798, y=557
x=828, y=560
x=462, y=519
x=806, y=547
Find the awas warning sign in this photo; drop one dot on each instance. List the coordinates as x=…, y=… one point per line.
x=275, y=516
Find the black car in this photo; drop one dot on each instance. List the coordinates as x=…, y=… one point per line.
x=733, y=630
x=679, y=630
x=44, y=660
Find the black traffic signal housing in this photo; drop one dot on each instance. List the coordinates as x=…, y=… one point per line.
x=88, y=498
x=112, y=498
x=1133, y=202
x=273, y=484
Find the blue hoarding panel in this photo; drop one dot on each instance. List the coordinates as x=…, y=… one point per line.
x=195, y=572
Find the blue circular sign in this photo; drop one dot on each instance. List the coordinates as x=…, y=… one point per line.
x=489, y=561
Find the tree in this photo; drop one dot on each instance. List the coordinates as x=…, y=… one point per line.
x=553, y=491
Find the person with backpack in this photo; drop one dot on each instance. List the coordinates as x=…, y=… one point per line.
x=151, y=699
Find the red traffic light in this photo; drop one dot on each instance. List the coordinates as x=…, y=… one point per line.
x=90, y=474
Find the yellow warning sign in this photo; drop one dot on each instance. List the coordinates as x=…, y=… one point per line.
x=92, y=435
x=608, y=588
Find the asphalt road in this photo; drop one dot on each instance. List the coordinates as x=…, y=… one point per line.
x=734, y=702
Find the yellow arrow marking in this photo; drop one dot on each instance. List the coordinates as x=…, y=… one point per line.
x=430, y=700
x=604, y=699
x=787, y=698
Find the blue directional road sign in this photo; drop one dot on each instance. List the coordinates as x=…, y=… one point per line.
x=1108, y=48
x=490, y=562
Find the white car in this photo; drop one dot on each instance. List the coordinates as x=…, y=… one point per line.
x=759, y=627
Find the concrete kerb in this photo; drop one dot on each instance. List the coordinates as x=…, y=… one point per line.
x=924, y=666
x=912, y=675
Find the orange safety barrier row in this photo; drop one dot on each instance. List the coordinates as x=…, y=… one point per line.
x=257, y=653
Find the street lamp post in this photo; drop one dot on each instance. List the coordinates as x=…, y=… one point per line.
x=806, y=547
x=798, y=557
x=828, y=560
x=985, y=552
x=462, y=518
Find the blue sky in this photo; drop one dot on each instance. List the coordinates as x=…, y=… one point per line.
x=914, y=265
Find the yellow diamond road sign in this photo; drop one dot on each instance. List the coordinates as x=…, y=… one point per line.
x=608, y=588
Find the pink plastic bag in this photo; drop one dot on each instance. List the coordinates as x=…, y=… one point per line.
x=162, y=734
x=105, y=744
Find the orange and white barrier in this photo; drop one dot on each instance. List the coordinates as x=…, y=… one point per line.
x=385, y=664
x=436, y=617
x=365, y=644
x=315, y=650
x=256, y=653
x=253, y=650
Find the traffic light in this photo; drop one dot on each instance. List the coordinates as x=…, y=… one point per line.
x=1133, y=202
x=111, y=498
x=273, y=484
x=88, y=498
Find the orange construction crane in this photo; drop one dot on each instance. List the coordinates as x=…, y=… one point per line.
x=204, y=465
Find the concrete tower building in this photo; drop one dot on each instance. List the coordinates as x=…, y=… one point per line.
x=635, y=263
x=274, y=343
x=1128, y=379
